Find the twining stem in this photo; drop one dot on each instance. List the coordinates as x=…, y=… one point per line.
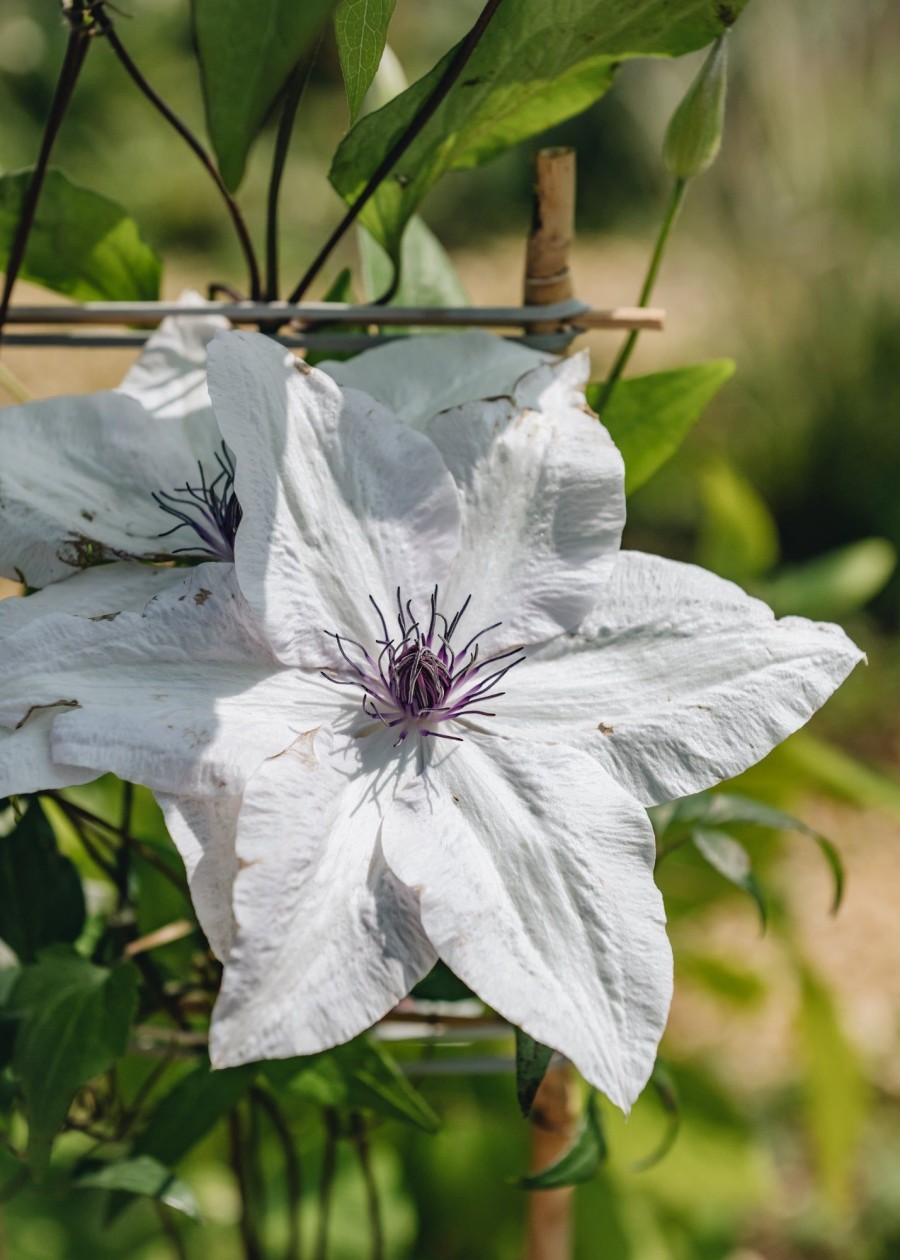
x=361, y=1142
x=101, y=826
x=76, y=51
x=292, y=97
x=170, y=1229
x=401, y=144
x=618, y=367
x=326, y=1181
x=246, y=1223
x=292, y=1169
x=237, y=218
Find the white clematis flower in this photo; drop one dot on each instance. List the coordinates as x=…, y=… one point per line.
x=84, y=476
x=415, y=719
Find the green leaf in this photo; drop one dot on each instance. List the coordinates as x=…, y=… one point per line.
x=717, y=808
x=832, y=586
x=81, y=244
x=650, y=416
x=427, y=276
x=9, y=1023
x=837, y=772
x=357, y=1075
x=247, y=52
x=738, y=537
x=441, y=985
x=836, y=1094
x=667, y=1092
x=75, y=1023
x=580, y=1162
x=535, y=65
x=41, y=899
x=144, y=1176
x=191, y=1109
x=729, y=857
x=532, y=1061
x=361, y=27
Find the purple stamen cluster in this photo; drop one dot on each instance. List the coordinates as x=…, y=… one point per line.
x=417, y=681
x=211, y=510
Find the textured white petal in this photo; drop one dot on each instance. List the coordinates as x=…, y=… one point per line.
x=169, y=378
x=76, y=483
x=543, y=501
x=327, y=939
x=341, y=500
x=677, y=680
x=419, y=376
x=25, y=762
x=535, y=880
x=204, y=834
x=187, y=698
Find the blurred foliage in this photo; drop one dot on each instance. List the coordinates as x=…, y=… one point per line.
x=789, y=261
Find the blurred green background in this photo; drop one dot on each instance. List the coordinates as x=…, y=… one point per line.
x=784, y=1048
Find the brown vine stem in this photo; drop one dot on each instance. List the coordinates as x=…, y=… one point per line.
x=293, y=96
x=109, y=31
x=76, y=51
x=401, y=144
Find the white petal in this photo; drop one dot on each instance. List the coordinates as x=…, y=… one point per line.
x=169, y=378
x=341, y=500
x=187, y=698
x=25, y=762
x=677, y=680
x=419, y=376
x=76, y=482
x=535, y=878
x=328, y=940
x=204, y=833
x=543, y=507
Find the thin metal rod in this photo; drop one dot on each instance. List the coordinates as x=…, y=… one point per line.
x=427, y=109
x=550, y=343
x=571, y=311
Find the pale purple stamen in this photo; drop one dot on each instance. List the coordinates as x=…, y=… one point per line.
x=418, y=682
x=211, y=510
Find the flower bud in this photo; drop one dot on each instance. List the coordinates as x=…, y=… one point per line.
x=695, y=131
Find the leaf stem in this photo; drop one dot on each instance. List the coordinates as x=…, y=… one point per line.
x=249, y=1239
x=428, y=107
x=292, y=1168
x=326, y=1181
x=292, y=97
x=671, y=214
x=361, y=1142
x=76, y=51
x=237, y=218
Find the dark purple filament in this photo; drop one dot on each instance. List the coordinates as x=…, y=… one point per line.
x=211, y=510
x=418, y=681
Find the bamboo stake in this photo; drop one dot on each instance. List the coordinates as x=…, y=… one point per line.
x=553, y=1125
x=548, y=278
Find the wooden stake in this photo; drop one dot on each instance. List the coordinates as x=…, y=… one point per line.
x=547, y=275
x=553, y=1126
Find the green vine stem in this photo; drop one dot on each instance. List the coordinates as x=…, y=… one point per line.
x=401, y=144
x=360, y=1139
x=618, y=367
x=109, y=31
x=76, y=51
x=326, y=1181
x=292, y=1168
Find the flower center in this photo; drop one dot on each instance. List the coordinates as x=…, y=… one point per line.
x=416, y=681
x=211, y=510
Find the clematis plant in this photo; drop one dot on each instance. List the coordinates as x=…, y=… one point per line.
x=423, y=712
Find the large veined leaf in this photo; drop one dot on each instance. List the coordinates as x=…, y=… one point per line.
x=247, y=52
x=75, y=1021
x=427, y=276
x=536, y=64
x=41, y=899
x=649, y=417
x=81, y=244
x=361, y=28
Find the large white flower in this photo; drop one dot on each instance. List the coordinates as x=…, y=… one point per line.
x=417, y=717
